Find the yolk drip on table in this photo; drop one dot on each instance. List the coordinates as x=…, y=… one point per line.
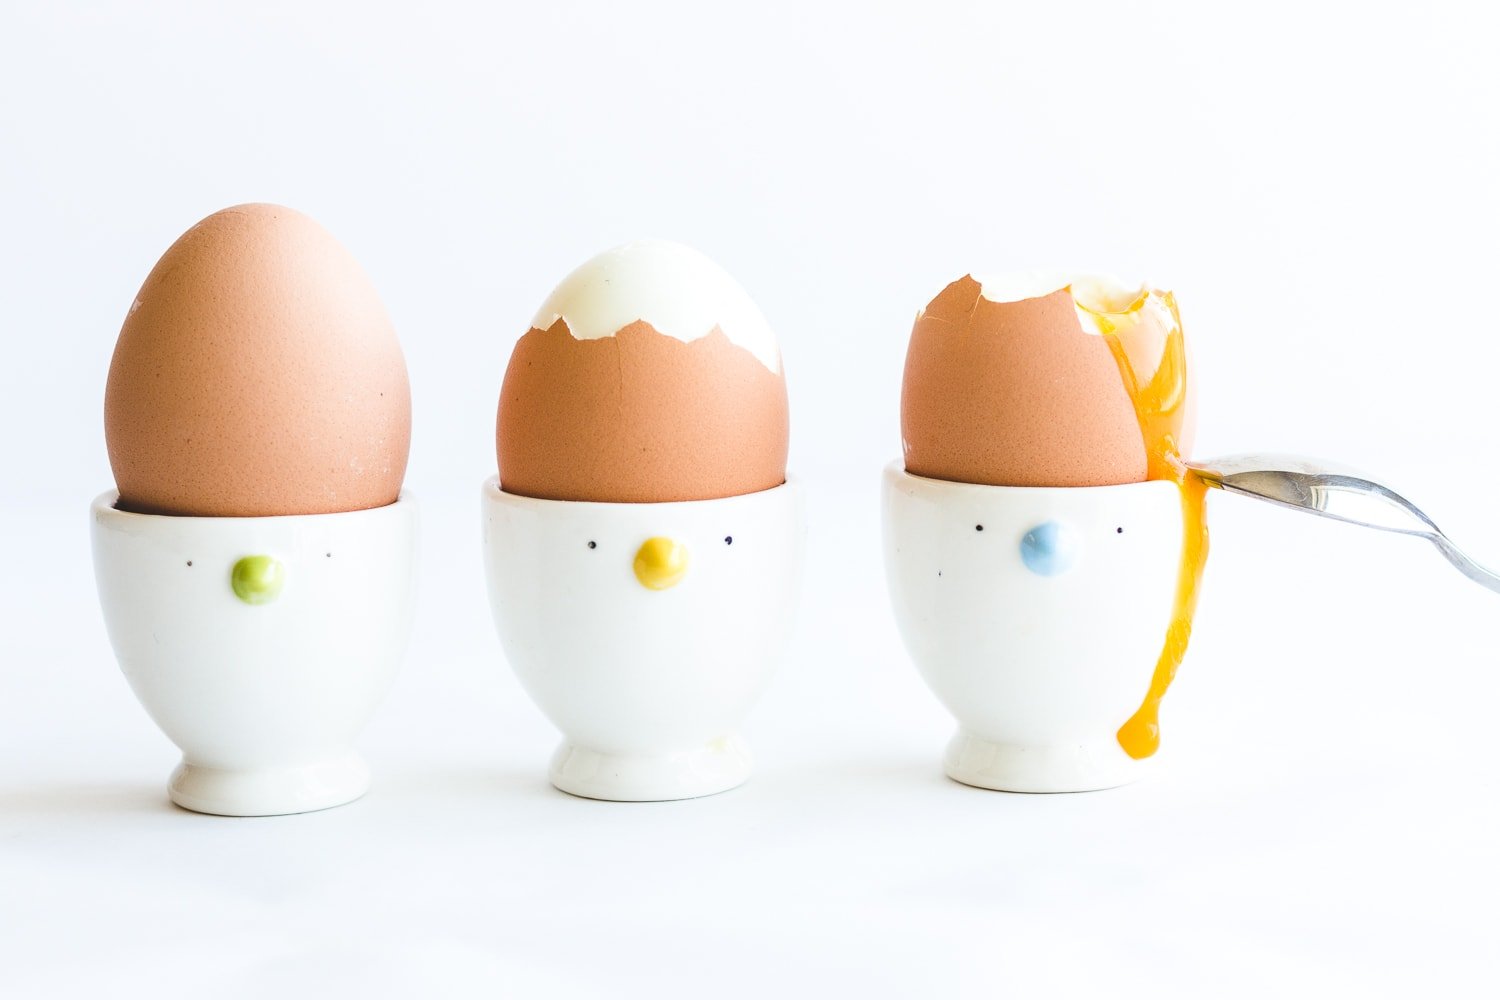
x=1145, y=335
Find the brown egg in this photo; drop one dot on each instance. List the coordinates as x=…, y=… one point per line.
x=1015, y=393
x=257, y=373
x=647, y=376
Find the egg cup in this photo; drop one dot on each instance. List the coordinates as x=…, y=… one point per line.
x=1036, y=615
x=259, y=645
x=645, y=631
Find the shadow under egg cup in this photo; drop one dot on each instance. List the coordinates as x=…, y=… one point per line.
x=645, y=631
x=1037, y=616
x=260, y=645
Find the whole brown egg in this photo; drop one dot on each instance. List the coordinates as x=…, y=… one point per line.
x=257, y=373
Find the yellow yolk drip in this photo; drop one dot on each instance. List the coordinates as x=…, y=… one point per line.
x=1160, y=401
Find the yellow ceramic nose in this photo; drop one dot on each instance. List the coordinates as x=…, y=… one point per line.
x=661, y=563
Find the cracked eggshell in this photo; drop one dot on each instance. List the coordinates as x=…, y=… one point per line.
x=647, y=376
x=1015, y=393
x=257, y=373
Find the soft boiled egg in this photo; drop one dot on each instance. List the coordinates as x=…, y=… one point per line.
x=648, y=375
x=1028, y=380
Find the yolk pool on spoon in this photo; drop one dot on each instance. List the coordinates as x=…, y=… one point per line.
x=1145, y=335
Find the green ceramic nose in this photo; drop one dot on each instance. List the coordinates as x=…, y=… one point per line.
x=257, y=579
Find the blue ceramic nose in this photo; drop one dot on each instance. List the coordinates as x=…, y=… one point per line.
x=1050, y=548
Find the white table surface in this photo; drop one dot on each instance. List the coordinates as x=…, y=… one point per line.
x=1324, y=820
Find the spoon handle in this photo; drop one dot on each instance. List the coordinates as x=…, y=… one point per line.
x=1465, y=565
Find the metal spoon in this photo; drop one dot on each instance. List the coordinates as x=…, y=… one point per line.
x=1328, y=490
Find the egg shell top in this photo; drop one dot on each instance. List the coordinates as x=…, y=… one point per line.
x=257, y=373
x=1015, y=393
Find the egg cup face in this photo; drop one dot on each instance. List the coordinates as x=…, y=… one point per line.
x=259, y=645
x=645, y=631
x=1036, y=615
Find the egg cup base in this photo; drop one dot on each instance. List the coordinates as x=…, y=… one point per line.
x=281, y=791
x=1003, y=767
x=691, y=773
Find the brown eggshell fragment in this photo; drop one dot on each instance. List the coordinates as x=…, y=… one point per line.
x=1015, y=394
x=639, y=417
x=257, y=373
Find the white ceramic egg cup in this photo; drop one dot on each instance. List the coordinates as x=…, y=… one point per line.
x=648, y=686
x=266, y=699
x=1037, y=615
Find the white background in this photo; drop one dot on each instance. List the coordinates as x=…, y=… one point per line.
x=1318, y=185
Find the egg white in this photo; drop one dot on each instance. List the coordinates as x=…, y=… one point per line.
x=676, y=289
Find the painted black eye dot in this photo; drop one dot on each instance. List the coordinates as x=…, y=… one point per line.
x=190, y=562
x=978, y=527
x=328, y=555
x=593, y=545
x=728, y=539
x=1119, y=531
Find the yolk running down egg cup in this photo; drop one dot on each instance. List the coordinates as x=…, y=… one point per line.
x=1043, y=541
x=1035, y=614
x=644, y=553
x=256, y=566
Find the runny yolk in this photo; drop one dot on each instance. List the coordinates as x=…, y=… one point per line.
x=1153, y=364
